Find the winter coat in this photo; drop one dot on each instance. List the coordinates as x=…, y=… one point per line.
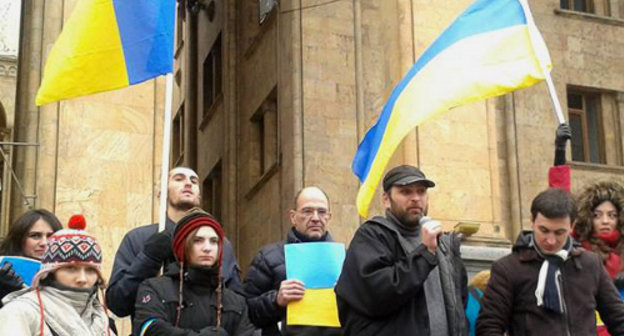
x=68, y=313
x=380, y=290
x=132, y=267
x=267, y=271
x=158, y=299
x=509, y=303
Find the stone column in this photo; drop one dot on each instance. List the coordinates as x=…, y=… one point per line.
x=619, y=113
x=26, y=116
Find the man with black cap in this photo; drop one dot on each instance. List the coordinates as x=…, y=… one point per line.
x=402, y=275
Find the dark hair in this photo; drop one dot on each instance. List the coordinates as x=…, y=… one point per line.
x=554, y=203
x=12, y=244
x=302, y=189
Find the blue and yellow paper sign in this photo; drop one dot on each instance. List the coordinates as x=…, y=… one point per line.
x=25, y=267
x=318, y=266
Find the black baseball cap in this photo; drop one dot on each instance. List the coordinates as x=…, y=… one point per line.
x=404, y=175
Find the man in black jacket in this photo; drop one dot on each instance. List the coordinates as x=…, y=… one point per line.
x=144, y=250
x=401, y=275
x=266, y=288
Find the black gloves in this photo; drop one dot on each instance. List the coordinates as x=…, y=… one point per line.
x=213, y=331
x=618, y=280
x=9, y=280
x=158, y=246
x=563, y=134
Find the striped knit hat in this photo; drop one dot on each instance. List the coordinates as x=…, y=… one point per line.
x=71, y=246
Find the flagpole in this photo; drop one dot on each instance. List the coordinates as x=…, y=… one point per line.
x=554, y=98
x=166, y=146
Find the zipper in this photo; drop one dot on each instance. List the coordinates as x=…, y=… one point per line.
x=566, y=321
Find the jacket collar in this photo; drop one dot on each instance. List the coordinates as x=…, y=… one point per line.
x=293, y=238
x=390, y=223
x=526, y=252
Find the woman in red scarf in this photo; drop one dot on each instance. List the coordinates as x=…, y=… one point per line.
x=600, y=228
x=600, y=225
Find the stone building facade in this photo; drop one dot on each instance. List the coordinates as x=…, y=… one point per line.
x=283, y=104
x=97, y=155
x=263, y=109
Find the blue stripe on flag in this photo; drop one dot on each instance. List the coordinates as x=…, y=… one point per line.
x=146, y=29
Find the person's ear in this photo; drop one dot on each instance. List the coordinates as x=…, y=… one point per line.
x=385, y=198
x=292, y=214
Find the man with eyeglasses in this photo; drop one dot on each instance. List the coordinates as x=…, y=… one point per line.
x=267, y=290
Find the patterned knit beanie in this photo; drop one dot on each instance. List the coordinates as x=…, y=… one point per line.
x=68, y=247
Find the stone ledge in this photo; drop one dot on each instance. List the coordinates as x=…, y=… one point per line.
x=589, y=17
x=596, y=167
x=483, y=253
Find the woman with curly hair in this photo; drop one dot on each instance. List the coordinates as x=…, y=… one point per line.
x=600, y=225
x=600, y=228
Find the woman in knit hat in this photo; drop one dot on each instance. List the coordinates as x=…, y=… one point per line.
x=190, y=299
x=63, y=299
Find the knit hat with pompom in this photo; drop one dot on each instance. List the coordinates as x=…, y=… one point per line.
x=69, y=247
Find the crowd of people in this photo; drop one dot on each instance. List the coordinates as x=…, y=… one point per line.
x=402, y=274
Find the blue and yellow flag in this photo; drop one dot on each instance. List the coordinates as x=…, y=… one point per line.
x=109, y=44
x=492, y=48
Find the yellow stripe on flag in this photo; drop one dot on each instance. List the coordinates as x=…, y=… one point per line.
x=87, y=57
x=317, y=308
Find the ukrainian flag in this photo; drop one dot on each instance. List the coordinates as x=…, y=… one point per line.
x=109, y=44
x=492, y=48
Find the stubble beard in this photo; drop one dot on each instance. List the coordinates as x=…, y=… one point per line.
x=182, y=205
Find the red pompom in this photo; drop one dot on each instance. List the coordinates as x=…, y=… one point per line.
x=77, y=222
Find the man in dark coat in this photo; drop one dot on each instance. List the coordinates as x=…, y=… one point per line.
x=144, y=250
x=548, y=285
x=266, y=288
x=401, y=275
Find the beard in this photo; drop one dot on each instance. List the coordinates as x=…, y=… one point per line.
x=182, y=205
x=406, y=218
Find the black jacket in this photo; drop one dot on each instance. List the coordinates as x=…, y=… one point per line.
x=132, y=267
x=380, y=290
x=158, y=298
x=509, y=301
x=261, y=285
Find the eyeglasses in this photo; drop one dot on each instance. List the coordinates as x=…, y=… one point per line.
x=309, y=212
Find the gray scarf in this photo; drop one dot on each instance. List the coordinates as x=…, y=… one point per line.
x=68, y=312
x=438, y=325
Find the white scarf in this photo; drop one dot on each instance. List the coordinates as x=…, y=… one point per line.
x=563, y=254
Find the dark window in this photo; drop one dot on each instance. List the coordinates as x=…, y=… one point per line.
x=213, y=78
x=587, y=128
x=177, y=137
x=211, y=193
x=586, y=6
x=264, y=133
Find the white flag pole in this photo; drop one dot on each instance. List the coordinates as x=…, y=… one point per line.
x=554, y=98
x=166, y=147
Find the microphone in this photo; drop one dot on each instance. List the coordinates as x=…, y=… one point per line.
x=430, y=224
